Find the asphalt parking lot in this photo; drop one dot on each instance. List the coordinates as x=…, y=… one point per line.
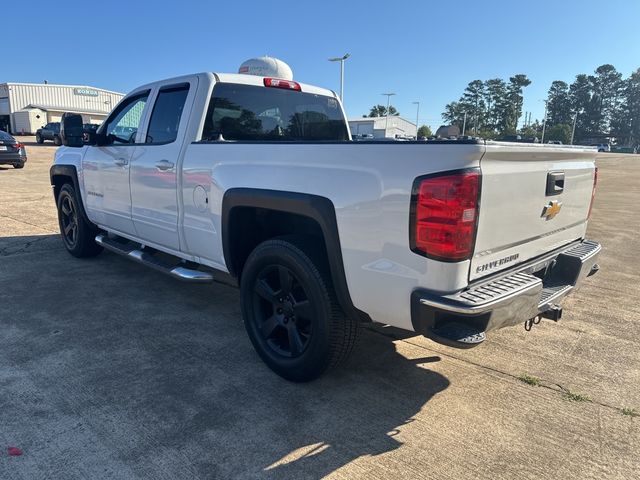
x=110, y=370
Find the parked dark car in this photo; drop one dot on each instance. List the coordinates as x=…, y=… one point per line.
x=12, y=152
x=88, y=129
x=51, y=131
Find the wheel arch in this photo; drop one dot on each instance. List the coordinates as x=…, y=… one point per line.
x=61, y=174
x=312, y=214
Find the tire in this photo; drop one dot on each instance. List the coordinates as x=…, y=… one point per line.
x=57, y=141
x=290, y=310
x=39, y=139
x=78, y=235
x=18, y=165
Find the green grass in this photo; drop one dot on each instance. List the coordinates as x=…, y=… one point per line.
x=630, y=412
x=529, y=380
x=575, y=397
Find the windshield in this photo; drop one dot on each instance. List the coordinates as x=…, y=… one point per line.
x=247, y=112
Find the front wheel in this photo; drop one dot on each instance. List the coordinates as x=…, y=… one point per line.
x=77, y=233
x=290, y=311
x=39, y=139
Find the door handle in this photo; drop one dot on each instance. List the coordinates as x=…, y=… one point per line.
x=121, y=162
x=164, y=165
x=555, y=183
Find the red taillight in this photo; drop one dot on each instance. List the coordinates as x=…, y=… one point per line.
x=278, y=83
x=18, y=146
x=445, y=214
x=593, y=192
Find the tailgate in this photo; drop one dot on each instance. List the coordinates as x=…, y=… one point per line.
x=534, y=199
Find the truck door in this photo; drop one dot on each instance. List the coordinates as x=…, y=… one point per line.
x=106, y=168
x=155, y=163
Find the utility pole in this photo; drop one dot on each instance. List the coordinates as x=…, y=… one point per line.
x=464, y=123
x=573, y=131
x=341, y=60
x=417, y=116
x=386, y=122
x=544, y=121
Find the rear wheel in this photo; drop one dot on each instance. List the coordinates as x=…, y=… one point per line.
x=290, y=311
x=39, y=139
x=18, y=165
x=57, y=141
x=78, y=235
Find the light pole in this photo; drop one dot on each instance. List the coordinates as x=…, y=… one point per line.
x=386, y=122
x=544, y=121
x=464, y=123
x=573, y=131
x=341, y=60
x=417, y=116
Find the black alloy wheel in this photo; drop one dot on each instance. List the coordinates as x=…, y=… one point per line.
x=68, y=220
x=284, y=311
x=290, y=310
x=78, y=234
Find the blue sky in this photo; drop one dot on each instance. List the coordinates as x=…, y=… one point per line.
x=421, y=50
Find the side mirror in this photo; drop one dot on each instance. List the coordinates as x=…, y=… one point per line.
x=71, y=130
x=99, y=139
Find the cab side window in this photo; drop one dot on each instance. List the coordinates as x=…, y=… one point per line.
x=123, y=124
x=166, y=115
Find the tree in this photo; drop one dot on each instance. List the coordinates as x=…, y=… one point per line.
x=603, y=104
x=495, y=98
x=580, y=97
x=559, y=104
x=424, y=131
x=381, y=111
x=491, y=107
x=454, y=114
x=473, y=102
x=606, y=86
x=515, y=100
x=626, y=123
x=560, y=131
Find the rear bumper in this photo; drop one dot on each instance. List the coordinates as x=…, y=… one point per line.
x=12, y=158
x=530, y=290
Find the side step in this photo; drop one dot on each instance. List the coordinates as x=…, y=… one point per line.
x=176, y=271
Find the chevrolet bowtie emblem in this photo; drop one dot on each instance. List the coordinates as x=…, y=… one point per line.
x=552, y=209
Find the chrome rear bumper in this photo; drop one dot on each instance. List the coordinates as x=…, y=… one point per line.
x=508, y=299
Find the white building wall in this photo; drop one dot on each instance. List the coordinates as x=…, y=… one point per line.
x=63, y=96
x=396, y=126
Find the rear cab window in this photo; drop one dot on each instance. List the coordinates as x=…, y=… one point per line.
x=253, y=113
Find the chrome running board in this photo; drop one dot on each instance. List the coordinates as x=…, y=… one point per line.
x=176, y=271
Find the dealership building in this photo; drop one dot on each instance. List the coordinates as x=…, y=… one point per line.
x=379, y=127
x=25, y=107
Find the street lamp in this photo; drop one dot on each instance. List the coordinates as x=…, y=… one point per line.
x=386, y=122
x=573, y=131
x=544, y=120
x=417, y=116
x=341, y=60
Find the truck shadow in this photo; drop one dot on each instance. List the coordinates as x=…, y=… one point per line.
x=363, y=411
x=165, y=376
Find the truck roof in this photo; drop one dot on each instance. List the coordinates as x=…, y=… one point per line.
x=259, y=81
x=241, y=79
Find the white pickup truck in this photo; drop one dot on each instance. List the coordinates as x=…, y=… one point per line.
x=255, y=181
